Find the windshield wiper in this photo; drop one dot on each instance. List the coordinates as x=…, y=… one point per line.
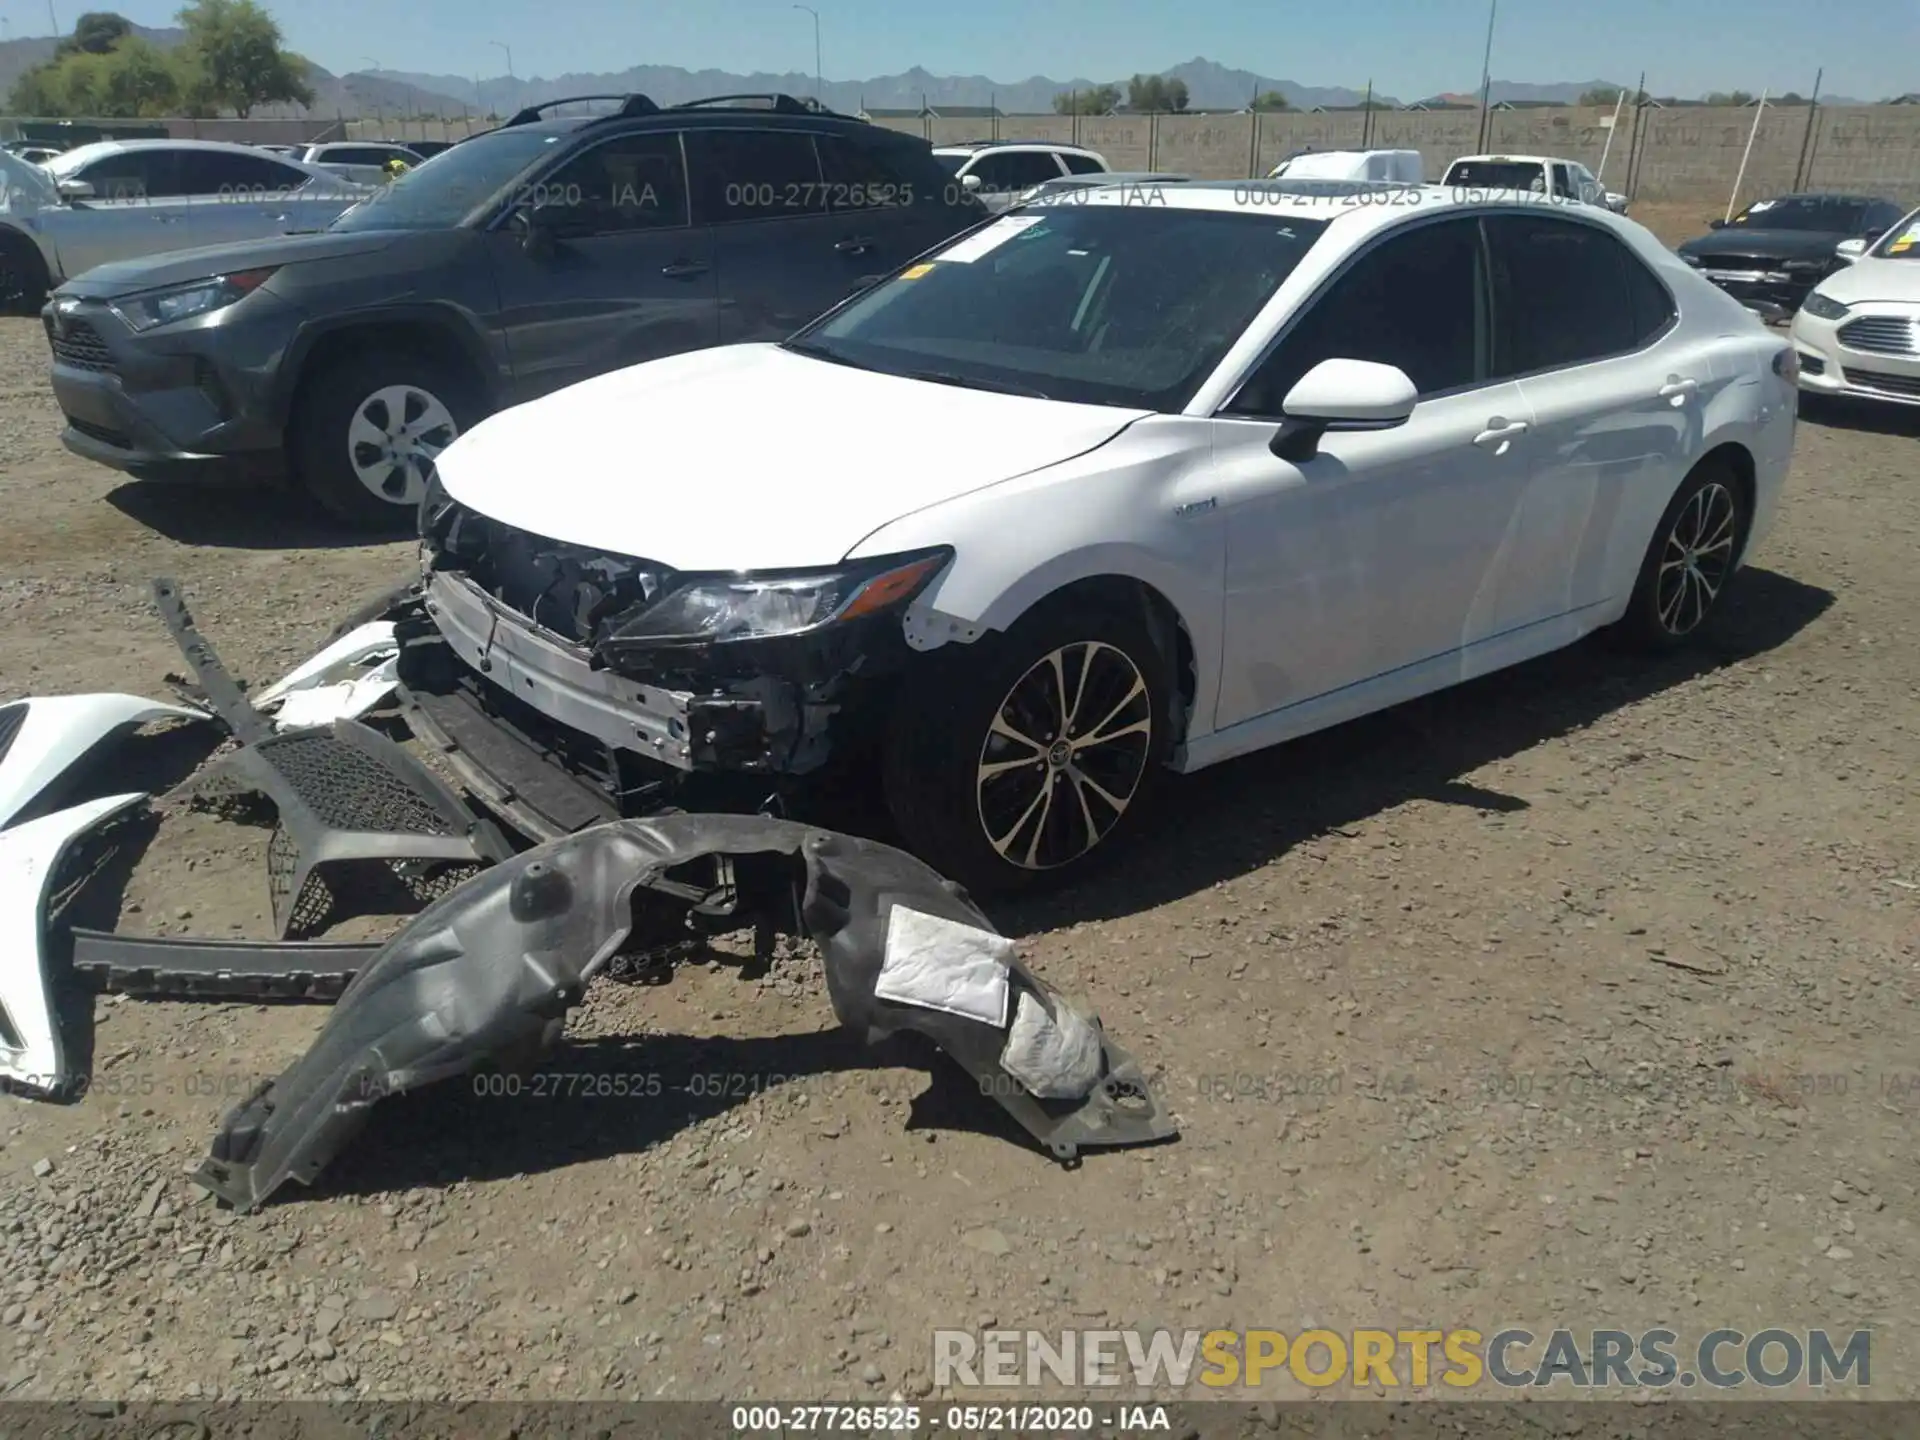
x=968, y=382
x=820, y=352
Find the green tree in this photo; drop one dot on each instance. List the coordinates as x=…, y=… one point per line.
x=235, y=61
x=1156, y=93
x=1100, y=100
x=138, y=79
x=94, y=33
x=1602, y=95
x=1272, y=100
x=1730, y=97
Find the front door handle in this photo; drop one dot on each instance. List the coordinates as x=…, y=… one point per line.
x=1499, y=432
x=853, y=245
x=1677, y=388
x=685, y=269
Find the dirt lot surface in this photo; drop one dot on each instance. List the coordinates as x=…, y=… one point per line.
x=1582, y=996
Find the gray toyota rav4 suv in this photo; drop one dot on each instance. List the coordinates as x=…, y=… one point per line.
x=518, y=261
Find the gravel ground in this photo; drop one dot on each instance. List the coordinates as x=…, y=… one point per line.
x=1582, y=995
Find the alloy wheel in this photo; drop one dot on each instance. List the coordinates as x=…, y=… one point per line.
x=396, y=434
x=1064, y=755
x=1696, y=560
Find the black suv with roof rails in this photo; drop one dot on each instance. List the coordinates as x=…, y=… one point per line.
x=536, y=254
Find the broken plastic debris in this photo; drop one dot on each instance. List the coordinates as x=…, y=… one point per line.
x=1057, y=1057
x=943, y=965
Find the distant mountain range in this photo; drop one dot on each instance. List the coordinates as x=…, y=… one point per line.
x=396, y=93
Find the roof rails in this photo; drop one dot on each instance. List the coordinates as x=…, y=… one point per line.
x=630, y=105
x=780, y=104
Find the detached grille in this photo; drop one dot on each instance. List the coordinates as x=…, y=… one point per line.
x=1903, y=385
x=79, y=346
x=1881, y=335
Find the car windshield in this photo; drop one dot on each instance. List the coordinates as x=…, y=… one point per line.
x=1499, y=175
x=1902, y=242
x=1803, y=212
x=441, y=195
x=1103, y=304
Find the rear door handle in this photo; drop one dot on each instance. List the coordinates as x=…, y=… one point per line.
x=1499, y=431
x=853, y=245
x=685, y=269
x=1677, y=388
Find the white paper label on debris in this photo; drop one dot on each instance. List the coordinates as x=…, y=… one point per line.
x=986, y=241
x=1057, y=1058
x=943, y=965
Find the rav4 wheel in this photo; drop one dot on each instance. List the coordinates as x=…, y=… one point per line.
x=1692, y=556
x=1020, y=756
x=23, y=275
x=367, y=430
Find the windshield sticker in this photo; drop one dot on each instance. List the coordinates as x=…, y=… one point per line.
x=985, y=242
x=916, y=271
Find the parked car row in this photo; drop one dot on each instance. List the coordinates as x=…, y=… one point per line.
x=754, y=446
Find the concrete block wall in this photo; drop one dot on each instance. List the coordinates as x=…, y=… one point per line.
x=1675, y=154
x=1684, y=154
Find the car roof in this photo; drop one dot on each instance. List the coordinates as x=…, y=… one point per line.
x=1837, y=196
x=1340, y=199
x=954, y=147
x=70, y=160
x=1504, y=159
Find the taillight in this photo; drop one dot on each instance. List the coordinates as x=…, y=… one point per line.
x=1786, y=364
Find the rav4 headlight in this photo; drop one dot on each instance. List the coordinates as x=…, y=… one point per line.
x=1823, y=307
x=717, y=609
x=148, y=308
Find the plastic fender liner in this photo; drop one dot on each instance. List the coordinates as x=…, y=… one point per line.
x=489, y=971
x=44, y=737
x=31, y=854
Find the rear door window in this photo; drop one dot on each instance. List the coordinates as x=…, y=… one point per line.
x=863, y=176
x=740, y=175
x=216, y=172
x=1561, y=294
x=1015, y=170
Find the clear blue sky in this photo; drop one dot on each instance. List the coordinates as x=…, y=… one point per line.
x=1411, y=47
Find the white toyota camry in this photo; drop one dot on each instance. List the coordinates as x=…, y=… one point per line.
x=1099, y=490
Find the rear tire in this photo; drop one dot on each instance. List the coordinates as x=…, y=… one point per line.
x=366, y=429
x=1689, y=561
x=1019, y=759
x=23, y=275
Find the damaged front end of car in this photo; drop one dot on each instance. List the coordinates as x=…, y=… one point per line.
x=487, y=974
x=632, y=679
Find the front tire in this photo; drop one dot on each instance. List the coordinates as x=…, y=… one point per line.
x=23, y=275
x=1017, y=759
x=1692, y=556
x=367, y=429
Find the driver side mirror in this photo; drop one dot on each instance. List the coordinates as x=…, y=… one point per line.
x=970, y=183
x=1717, y=223
x=541, y=227
x=1342, y=395
x=75, y=190
x=1848, y=251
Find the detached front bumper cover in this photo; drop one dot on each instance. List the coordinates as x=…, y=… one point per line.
x=488, y=973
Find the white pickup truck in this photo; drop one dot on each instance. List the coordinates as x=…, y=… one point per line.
x=1570, y=180
x=124, y=199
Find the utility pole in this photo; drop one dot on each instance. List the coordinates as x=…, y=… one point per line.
x=53, y=20
x=1803, y=171
x=514, y=89
x=1486, y=76
x=816, y=48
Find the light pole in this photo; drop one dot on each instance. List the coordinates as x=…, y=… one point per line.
x=816, y=48
x=1486, y=75
x=53, y=20
x=379, y=108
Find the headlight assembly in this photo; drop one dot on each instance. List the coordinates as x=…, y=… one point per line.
x=148, y=308
x=718, y=609
x=1823, y=307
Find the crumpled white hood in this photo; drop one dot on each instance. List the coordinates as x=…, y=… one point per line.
x=749, y=457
